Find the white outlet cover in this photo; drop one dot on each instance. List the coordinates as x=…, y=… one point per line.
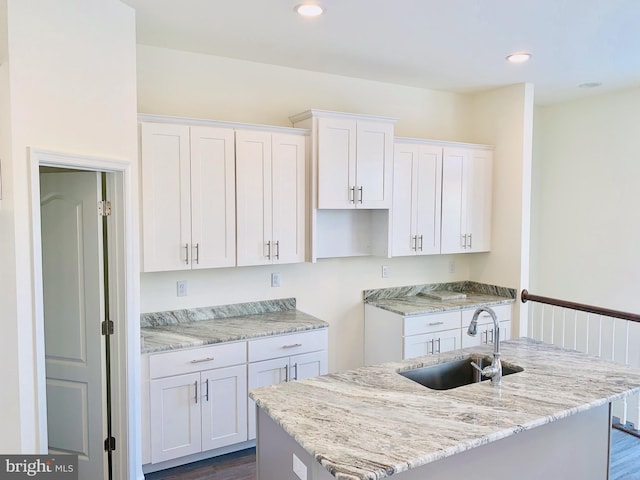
x=275, y=279
x=299, y=468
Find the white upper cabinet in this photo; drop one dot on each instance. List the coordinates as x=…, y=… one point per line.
x=417, y=174
x=354, y=163
x=466, y=200
x=270, y=185
x=188, y=197
x=353, y=157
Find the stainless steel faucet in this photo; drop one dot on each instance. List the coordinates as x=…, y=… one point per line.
x=493, y=371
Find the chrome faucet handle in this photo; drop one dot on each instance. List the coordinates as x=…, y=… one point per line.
x=477, y=367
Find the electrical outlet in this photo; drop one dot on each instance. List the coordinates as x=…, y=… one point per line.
x=385, y=271
x=182, y=288
x=275, y=279
x=299, y=468
x=452, y=266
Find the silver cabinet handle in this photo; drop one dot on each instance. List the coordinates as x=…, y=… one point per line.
x=207, y=394
x=293, y=345
x=196, y=382
x=277, y=255
x=420, y=237
x=433, y=324
x=286, y=373
x=197, y=256
x=269, y=249
x=438, y=340
x=360, y=196
x=463, y=240
x=414, y=243
x=470, y=240
x=200, y=360
x=352, y=195
x=295, y=365
x=186, y=251
x=432, y=346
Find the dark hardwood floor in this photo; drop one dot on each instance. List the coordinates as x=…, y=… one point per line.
x=625, y=464
x=234, y=466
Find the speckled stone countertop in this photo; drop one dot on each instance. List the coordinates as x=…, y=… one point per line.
x=413, y=300
x=177, y=329
x=371, y=422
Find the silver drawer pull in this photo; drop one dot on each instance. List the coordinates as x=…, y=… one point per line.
x=433, y=324
x=294, y=345
x=200, y=360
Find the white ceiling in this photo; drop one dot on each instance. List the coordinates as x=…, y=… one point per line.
x=455, y=45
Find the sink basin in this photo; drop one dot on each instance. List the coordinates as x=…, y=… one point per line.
x=456, y=373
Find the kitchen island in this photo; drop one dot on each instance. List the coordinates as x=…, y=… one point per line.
x=549, y=420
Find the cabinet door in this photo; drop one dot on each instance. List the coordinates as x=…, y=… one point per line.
x=428, y=193
x=478, y=208
x=166, y=197
x=336, y=162
x=288, y=192
x=486, y=335
x=454, y=199
x=374, y=169
x=263, y=374
x=175, y=417
x=254, y=207
x=404, y=211
x=431, y=343
x=224, y=406
x=308, y=365
x=213, y=193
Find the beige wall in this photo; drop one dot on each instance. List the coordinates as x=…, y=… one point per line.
x=67, y=84
x=586, y=228
x=194, y=85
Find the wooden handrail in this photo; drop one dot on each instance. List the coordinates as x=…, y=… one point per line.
x=633, y=317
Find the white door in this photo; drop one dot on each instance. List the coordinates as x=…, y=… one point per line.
x=288, y=193
x=224, y=406
x=308, y=365
x=263, y=374
x=404, y=203
x=254, y=201
x=374, y=170
x=454, y=201
x=336, y=162
x=73, y=312
x=166, y=197
x=175, y=417
x=213, y=197
x=428, y=188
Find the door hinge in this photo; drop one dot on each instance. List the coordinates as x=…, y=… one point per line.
x=107, y=327
x=109, y=444
x=104, y=208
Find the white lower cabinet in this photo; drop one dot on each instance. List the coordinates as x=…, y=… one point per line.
x=390, y=337
x=196, y=399
x=194, y=406
x=285, y=358
x=486, y=328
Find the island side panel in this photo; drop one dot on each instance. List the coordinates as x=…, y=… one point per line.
x=574, y=447
x=275, y=451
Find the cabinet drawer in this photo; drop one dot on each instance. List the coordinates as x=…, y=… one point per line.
x=197, y=359
x=502, y=311
x=286, y=345
x=431, y=323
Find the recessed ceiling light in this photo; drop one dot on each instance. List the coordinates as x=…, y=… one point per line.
x=519, y=57
x=309, y=10
x=590, y=85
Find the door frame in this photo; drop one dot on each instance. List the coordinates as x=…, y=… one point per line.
x=125, y=281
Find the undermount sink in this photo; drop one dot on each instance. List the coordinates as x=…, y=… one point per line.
x=456, y=373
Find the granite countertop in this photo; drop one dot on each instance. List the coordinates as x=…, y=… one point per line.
x=172, y=330
x=371, y=422
x=416, y=300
